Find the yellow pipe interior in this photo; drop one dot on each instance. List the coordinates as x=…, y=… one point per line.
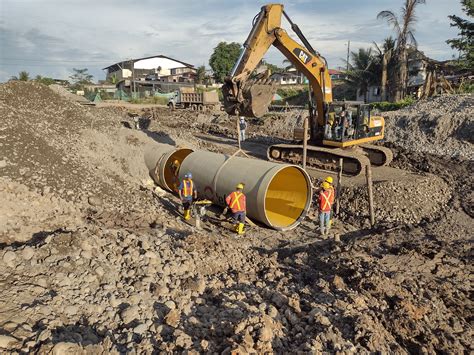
x=286, y=197
x=170, y=179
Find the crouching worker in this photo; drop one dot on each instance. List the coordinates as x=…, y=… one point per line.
x=236, y=202
x=326, y=200
x=187, y=193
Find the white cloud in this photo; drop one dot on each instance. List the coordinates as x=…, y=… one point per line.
x=50, y=37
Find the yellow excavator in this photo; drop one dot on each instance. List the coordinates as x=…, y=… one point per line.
x=336, y=129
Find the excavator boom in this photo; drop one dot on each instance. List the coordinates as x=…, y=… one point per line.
x=337, y=130
x=251, y=97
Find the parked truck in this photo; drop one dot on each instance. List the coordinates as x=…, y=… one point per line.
x=207, y=100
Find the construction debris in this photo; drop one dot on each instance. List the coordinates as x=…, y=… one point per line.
x=94, y=260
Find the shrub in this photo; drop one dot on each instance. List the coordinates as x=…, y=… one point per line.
x=393, y=106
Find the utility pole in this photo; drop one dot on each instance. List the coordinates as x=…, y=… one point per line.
x=348, y=52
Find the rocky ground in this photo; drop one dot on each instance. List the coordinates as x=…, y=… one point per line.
x=95, y=260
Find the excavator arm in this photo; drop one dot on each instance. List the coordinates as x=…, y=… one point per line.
x=249, y=97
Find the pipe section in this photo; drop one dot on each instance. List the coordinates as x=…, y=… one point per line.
x=278, y=195
x=159, y=159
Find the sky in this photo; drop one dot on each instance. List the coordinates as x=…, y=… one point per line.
x=51, y=37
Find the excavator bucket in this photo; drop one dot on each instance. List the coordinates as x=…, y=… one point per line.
x=252, y=98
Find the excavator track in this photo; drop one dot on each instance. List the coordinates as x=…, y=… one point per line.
x=378, y=155
x=320, y=158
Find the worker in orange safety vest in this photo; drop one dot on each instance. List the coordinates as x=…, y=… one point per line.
x=326, y=201
x=237, y=203
x=187, y=192
x=330, y=181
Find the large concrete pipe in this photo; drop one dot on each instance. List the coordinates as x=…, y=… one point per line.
x=278, y=195
x=159, y=159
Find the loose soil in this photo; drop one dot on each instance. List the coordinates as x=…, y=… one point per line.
x=95, y=259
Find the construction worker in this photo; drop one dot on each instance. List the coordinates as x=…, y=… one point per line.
x=237, y=203
x=174, y=167
x=187, y=193
x=243, y=127
x=330, y=181
x=326, y=200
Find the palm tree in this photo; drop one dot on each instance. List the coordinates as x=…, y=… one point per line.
x=364, y=71
x=23, y=76
x=404, y=29
x=386, y=59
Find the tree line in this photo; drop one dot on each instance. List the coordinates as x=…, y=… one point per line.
x=79, y=78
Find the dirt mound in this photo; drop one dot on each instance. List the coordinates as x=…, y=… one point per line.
x=110, y=267
x=442, y=125
x=77, y=154
x=69, y=95
x=407, y=202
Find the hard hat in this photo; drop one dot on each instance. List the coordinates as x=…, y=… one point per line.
x=189, y=175
x=176, y=161
x=242, y=118
x=329, y=180
x=240, y=186
x=325, y=185
x=186, y=176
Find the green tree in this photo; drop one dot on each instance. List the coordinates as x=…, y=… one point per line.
x=223, y=59
x=272, y=67
x=364, y=71
x=23, y=76
x=464, y=43
x=44, y=80
x=404, y=27
x=80, y=78
x=200, y=74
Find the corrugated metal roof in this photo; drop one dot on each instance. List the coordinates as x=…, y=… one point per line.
x=153, y=56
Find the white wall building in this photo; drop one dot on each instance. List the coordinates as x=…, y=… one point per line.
x=139, y=68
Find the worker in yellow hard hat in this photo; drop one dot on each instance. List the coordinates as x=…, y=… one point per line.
x=174, y=168
x=330, y=181
x=326, y=201
x=237, y=203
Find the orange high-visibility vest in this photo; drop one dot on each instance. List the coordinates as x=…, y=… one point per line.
x=237, y=202
x=326, y=199
x=187, y=188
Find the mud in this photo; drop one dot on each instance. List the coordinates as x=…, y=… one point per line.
x=96, y=260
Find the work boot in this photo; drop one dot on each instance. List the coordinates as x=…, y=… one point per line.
x=240, y=228
x=187, y=214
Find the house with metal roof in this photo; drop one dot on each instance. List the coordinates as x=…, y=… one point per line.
x=140, y=68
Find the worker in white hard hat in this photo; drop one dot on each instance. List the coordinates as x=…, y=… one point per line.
x=237, y=203
x=187, y=192
x=242, y=127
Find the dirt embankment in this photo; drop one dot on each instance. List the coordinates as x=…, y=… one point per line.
x=94, y=261
x=442, y=126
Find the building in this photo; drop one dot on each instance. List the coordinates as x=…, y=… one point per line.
x=337, y=74
x=146, y=74
x=286, y=78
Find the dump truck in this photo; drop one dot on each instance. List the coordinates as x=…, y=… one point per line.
x=196, y=101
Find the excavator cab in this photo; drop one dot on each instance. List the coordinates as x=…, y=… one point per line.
x=349, y=123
